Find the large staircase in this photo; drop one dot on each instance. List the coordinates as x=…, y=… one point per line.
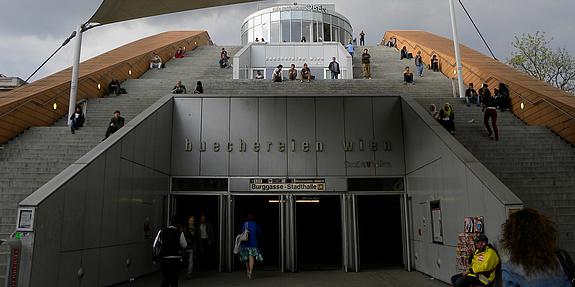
x=40, y=153
x=534, y=163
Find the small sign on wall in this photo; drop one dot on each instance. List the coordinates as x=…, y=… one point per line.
x=436, y=222
x=25, y=219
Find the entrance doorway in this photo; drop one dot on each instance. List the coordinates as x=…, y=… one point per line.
x=318, y=232
x=207, y=251
x=379, y=231
x=266, y=210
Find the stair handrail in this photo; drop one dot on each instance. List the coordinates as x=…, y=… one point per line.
x=513, y=91
x=31, y=100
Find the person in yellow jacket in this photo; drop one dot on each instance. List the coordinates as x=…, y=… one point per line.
x=482, y=270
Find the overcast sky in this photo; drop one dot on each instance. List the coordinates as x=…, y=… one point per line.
x=32, y=29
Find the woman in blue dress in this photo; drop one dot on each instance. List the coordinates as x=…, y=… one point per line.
x=249, y=250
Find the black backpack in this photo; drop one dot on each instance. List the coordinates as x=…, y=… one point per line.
x=567, y=264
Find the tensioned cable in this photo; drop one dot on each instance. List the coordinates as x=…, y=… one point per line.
x=85, y=27
x=477, y=29
x=61, y=46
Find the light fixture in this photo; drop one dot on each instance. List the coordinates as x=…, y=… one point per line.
x=55, y=106
x=307, y=201
x=522, y=105
x=99, y=86
x=130, y=72
x=455, y=72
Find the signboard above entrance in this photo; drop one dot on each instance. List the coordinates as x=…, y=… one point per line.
x=287, y=184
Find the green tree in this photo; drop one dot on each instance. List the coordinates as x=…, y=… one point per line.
x=534, y=56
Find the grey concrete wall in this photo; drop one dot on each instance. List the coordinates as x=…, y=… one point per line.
x=100, y=215
x=440, y=168
x=330, y=121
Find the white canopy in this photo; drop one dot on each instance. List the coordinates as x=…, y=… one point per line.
x=111, y=11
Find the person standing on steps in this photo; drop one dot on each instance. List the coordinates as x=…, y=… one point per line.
x=116, y=123
x=490, y=111
x=349, y=48
x=334, y=68
x=365, y=62
x=419, y=63
x=362, y=38
x=224, y=58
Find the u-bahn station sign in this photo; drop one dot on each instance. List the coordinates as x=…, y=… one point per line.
x=287, y=184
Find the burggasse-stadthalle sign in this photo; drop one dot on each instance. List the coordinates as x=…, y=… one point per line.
x=292, y=145
x=287, y=184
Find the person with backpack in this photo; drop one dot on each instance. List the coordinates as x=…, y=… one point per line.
x=529, y=252
x=168, y=247
x=483, y=266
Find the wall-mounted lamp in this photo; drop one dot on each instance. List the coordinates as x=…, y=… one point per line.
x=522, y=105
x=55, y=106
x=99, y=86
x=130, y=72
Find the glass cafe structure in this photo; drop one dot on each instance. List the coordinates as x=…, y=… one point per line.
x=292, y=23
x=275, y=35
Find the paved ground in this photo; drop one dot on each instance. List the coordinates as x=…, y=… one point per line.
x=380, y=278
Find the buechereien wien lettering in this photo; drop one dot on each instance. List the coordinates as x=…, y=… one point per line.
x=293, y=146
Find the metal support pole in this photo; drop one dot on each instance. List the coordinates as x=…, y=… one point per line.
x=75, y=73
x=457, y=52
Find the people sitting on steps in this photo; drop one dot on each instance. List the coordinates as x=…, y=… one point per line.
x=156, y=62
x=114, y=87
x=199, y=88
x=403, y=53
x=472, y=96
x=180, y=52
x=277, y=74
x=292, y=73
x=115, y=124
x=259, y=75
x=447, y=118
x=179, y=88
x=77, y=119
x=305, y=73
x=433, y=112
x=483, y=266
x=408, y=76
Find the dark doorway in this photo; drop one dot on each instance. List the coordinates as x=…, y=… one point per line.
x=318, y=231
x=380, y=232
x=266, y=210
x=196, y=205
